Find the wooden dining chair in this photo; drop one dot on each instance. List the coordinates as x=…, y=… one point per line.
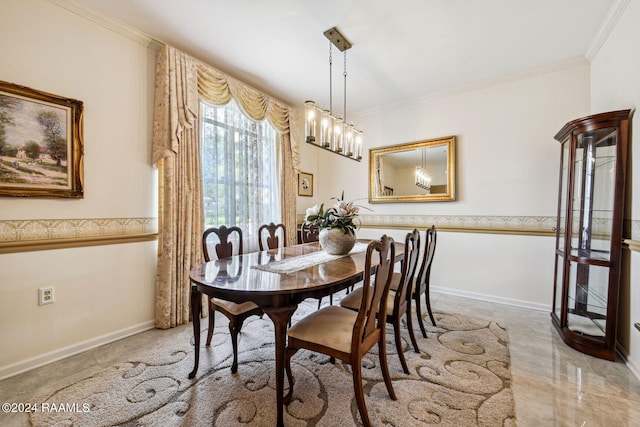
x=309, y=233
x=268, y=236
x=236, y=313
x=399, y=300
x=423, y=280
x=347, y=334
x=421, y=284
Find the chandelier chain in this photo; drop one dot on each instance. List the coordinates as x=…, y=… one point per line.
x=330, y=79
x=345, y=87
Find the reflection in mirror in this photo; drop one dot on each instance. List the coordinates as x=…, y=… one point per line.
x=414, y=172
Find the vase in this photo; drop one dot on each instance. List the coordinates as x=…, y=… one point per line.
x=336, y=242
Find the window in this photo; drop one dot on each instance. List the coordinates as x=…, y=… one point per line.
x=240, y=169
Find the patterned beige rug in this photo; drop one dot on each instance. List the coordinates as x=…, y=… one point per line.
x=460, y=378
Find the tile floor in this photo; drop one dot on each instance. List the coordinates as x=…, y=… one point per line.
x=553, y=384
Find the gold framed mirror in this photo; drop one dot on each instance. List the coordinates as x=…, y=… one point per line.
x=421, y=171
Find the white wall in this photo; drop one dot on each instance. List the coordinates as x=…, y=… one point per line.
x=507, y=165
x=101, y=292
x=615, y=85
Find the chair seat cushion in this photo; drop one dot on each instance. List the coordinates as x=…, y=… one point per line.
x=331, y=327
x=234, y=308
x=352, y=301
x=395, y=280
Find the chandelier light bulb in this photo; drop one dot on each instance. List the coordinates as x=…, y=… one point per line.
x=337, y=136
x=310, y=121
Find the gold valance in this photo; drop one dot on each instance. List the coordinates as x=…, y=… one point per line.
x=217, y=88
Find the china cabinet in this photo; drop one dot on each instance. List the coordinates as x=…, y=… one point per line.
x=593, y=159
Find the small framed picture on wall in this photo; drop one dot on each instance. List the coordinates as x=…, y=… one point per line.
x=305, y=184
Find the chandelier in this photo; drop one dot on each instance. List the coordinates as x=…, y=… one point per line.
x=323, y=128
x=423, y=177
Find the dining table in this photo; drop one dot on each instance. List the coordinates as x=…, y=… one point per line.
x=277, y=280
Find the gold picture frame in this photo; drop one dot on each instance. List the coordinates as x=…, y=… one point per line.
x=41, y=148
x=420, y=171
x=305, y=184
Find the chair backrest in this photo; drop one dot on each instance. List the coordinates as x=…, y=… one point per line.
x=309, y=233
x=373, y=306
x=224, y=248
x=409, y=265
x=422, y=282
x=270, y=237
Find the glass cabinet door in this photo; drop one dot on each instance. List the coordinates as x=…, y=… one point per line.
x=560, y=227
x=592, y=214
x=593, y=194
x=587, y=299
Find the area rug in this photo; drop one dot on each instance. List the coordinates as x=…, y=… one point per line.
x=461, y=377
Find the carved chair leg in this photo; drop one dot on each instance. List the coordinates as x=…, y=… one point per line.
x=287, y=367
x=396, y=333
x=359, y=392
x=419, y=316
x=428, y=301
x=330, y=301
x=234, y=329
x=382, y=355
x=212, y=323
x=410, y=327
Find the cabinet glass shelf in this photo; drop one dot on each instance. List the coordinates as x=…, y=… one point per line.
x=600, y=161
x=595, y=300
x=586, y=326
x=593, y=254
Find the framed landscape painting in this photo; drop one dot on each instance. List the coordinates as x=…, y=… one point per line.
x=41, y=149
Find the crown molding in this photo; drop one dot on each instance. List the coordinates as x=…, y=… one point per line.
x=109, y=23
x=608, y=24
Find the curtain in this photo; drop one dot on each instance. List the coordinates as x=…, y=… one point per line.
x=175, y=151
x=180, y=79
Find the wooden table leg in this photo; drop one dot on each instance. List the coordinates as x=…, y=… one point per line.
x=196, y=310
x=280, y=316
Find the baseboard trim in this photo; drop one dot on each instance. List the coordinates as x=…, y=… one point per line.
x=624, y=355
x=53, y=356
x=492, y=298
x=632, y=367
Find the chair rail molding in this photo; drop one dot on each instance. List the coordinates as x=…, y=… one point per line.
x=515, y=225
x=523, y=225
x=43, y=234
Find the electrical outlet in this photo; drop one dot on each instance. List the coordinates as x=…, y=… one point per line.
x=45, y=296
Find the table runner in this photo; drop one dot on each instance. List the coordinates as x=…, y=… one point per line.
x=291, y=265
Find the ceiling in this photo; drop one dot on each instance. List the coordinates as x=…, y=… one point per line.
x=402, y=50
